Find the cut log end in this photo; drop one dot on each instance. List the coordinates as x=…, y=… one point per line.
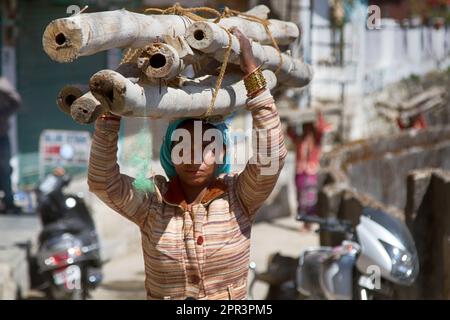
x=160, y=60
x=86, y=109
x=107, y=88
x=68, y=95
x=200, y=35
x=62, y=40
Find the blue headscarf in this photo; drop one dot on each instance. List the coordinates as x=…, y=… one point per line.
x=166, y=148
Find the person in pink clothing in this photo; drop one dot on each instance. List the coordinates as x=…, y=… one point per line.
x=308, y=146
x=416, y=122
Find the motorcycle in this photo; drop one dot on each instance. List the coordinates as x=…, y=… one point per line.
x=68, y=262
x=377, y=255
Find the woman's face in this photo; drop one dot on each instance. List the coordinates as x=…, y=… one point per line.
x=200, y=172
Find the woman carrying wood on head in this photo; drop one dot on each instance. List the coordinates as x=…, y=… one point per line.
x=196, y=227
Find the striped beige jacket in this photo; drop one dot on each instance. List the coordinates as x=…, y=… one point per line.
x=201, y=253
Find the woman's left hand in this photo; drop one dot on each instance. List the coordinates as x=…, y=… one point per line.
x=248, y=61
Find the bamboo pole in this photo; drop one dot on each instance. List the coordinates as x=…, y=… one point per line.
x=261, y=11
x=68, y=95
x=210, y=38
x=127, y=98
x=160, y=60
x=85, y=34
x=86, y=109
x=283, y=32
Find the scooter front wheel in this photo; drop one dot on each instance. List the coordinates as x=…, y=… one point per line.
x=57, y=293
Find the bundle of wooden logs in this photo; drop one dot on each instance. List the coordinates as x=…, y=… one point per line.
x=152, y=80
x=427, y=100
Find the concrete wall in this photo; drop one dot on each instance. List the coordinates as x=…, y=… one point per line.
x=427, y=215
x=379, y=166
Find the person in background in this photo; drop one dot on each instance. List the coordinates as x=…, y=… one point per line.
x=415, y=122
x=9, y=104
x=308, y=145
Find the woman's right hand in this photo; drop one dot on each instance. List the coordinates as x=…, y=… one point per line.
x=248, y=61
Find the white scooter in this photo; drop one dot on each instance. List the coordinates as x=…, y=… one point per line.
x=376, y=254
x=379, y=252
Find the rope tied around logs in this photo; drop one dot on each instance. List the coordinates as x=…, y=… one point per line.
x=192, y=14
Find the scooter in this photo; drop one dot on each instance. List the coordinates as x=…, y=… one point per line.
x=68, y=262
x=280, y=276
x=376, y=255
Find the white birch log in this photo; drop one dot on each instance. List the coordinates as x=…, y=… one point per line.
x=124, y=97
x=210, y=38
x=85, y=34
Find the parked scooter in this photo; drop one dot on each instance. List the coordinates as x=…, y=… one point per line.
x=68, y=262
x=376, y=255
x=280, y=276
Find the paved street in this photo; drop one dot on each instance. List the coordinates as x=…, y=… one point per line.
x=124, y=275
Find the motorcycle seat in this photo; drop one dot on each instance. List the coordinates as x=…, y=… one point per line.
x=65, y=226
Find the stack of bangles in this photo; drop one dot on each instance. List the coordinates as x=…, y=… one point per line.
x=109, y=116
x=255, y=82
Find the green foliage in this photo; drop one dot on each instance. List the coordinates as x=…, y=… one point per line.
x=414, y=78
x=141, y=161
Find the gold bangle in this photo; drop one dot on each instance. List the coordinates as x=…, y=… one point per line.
x=255, y=81
x=258, y=67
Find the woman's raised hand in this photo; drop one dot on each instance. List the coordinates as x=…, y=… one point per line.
x=248, y=61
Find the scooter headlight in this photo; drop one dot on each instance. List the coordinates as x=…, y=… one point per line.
x=404, y=264
x=71, y=203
